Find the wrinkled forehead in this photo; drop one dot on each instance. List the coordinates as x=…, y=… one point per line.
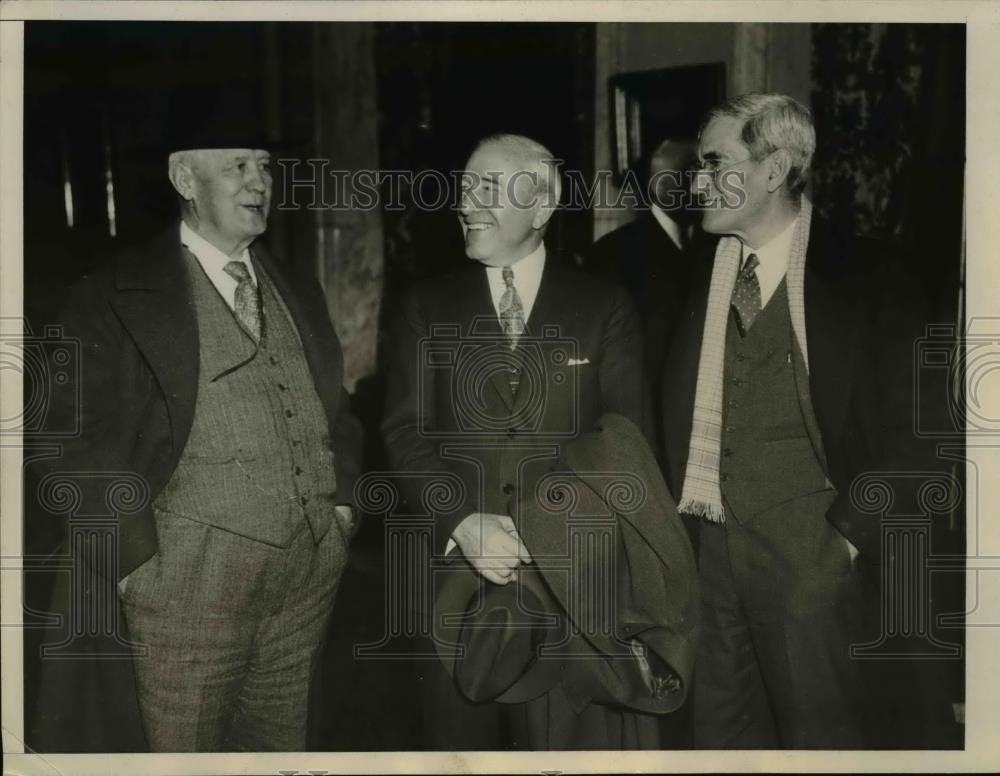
x=505, y=169
x=494, y=159
x=721, y=139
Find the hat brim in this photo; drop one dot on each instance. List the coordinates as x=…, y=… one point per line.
x=489, y=637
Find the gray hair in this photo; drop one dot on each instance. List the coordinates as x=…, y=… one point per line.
x=772, y=121
x=530, y=155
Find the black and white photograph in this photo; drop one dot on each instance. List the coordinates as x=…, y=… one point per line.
x=414, y=388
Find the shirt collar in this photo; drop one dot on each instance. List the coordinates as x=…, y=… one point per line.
x=210, y=257
x=773, y=255
x=671, y=227
x=527, y=279
x=528, y=269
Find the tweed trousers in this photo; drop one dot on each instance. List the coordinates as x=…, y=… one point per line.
x=232, y=630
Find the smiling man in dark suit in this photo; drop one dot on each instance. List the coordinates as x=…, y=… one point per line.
x=492, y=368
x=790, y=376
x=213, y=373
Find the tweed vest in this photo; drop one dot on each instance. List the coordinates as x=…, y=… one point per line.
x=768, y=454
x=259, y=458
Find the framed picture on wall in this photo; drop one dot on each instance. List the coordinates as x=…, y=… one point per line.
x=650, y=106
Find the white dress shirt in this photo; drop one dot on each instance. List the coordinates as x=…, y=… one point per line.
x=527, y=279
x=773, y=257
x=213, y=261
x=671, y=227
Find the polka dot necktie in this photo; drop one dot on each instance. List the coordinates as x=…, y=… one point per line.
x=746, y=294
x=510, y=309
x=246, y=299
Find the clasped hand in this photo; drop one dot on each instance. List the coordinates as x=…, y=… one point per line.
x=492, y=545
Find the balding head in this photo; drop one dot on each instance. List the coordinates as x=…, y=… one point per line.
x=531, y=157
x=511, y=189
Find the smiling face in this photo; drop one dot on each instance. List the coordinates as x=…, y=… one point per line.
x=502, y=213
x=228, y=193
x=721, y=149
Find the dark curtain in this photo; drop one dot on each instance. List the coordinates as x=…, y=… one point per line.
x=889, y=103
x=890, y=161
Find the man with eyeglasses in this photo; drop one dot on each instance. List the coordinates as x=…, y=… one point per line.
x=789, y=377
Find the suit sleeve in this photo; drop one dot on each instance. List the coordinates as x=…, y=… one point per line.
x=416, y=460
x=886, y=407
x=622, y=373
x=88, y=425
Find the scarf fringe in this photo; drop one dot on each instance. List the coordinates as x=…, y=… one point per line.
x=710, y=512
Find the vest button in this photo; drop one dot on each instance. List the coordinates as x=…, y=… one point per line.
x=289, y=413
x=508, y=488
x=730, y=429
x=723, y=476
x=733, y=403
x=740, y=357
x=727, y=452
x=737, y=381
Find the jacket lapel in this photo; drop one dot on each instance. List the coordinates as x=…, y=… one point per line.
x=307, y=308
x=548, y=310
x=679, y=380
x=483, y=323
x=154, y=303
x=831, y=334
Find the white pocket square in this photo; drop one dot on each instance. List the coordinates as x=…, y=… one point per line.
x=577, y=361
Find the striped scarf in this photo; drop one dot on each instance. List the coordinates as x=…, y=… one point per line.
x=702, y=494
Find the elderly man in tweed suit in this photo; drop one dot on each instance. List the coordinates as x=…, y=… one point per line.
x=214, y=373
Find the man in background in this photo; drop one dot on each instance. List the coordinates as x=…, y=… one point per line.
x=652, y=256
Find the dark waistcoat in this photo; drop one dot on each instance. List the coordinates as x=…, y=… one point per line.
x=768, y=456
x=259, y=458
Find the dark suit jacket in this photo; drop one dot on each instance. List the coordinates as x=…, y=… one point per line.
x=461, y=442
x=643, y=258
x=863, y=316
x=450, y=412
x=135, y=321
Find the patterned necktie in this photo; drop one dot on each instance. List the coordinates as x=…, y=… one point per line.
x=511, y=311
x=247, y=299
x=746, y=294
